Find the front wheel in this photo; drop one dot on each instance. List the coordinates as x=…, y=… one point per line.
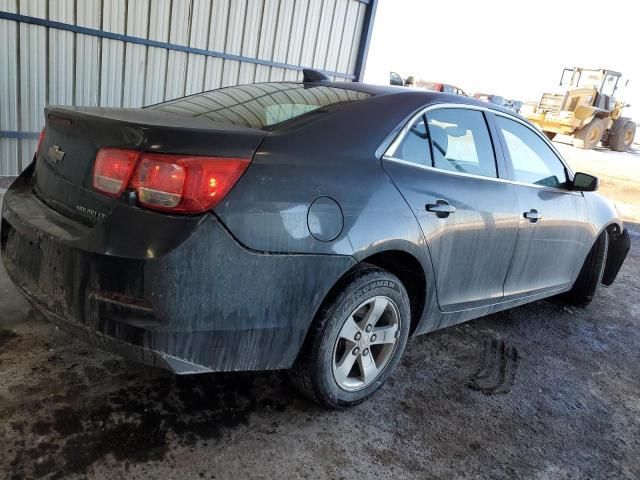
x=590, y=135
x=356, y=340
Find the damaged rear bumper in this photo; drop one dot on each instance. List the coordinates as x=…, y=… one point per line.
x=174, y=292
x=619, y=246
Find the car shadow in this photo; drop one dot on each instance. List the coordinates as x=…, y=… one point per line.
x=90, y=406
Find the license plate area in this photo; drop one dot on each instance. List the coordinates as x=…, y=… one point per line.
x=37, y=266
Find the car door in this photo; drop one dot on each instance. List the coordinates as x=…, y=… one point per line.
x=554, y=231
x=444, y=164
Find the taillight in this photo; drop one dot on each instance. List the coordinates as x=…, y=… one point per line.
x=183, y=183
x=159, y=181
x=113, y=169
x=40, y=138
x=175, y=183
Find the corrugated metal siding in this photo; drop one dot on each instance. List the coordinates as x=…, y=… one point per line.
x=159, y=21
x=33, y=75
x=59, y=64
x=9, y=152
x=135, y=60
x=88, y=51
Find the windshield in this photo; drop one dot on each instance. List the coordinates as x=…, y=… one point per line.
x=590, y=78
x=569, y=77
x=604, y=81
x=260, y=105
x=581, y=78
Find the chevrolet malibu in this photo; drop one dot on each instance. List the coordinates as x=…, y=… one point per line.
x=311, y=226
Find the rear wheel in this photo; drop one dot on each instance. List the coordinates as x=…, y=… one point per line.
x=588, y=136
x=622, y=134
x=356, y=341
x=550, y=135
x=590, y=276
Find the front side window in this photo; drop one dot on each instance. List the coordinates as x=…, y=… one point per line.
x=532, y=159
x=460, y=141
x=414, y=147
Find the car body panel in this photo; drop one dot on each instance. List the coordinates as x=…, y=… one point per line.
x=206, y=304
x=237, y=288
x=550, y=251
x=81, y=131
x=602, y=212
x=272, y=195
x=471, y=248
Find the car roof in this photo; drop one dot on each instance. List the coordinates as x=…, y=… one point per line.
x=423, y=96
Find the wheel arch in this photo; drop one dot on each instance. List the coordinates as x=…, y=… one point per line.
x=612, y=228
x=404, y=265
x=409, y=270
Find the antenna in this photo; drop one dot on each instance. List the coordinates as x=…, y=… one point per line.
x=310, y=75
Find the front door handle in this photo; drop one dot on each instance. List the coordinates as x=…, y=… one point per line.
x=441, y=208
x=533, y=215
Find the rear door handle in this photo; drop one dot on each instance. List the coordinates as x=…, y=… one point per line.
x=533, y=215
x=441, y=208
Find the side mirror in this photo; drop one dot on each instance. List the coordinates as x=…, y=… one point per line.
x=583, y=182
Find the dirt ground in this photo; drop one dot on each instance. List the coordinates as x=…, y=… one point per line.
x=540, y=391
x=619, y=173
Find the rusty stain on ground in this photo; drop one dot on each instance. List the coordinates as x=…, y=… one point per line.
x=135, y=423
x=6, y=336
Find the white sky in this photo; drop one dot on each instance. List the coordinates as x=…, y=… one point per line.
x=514, y=48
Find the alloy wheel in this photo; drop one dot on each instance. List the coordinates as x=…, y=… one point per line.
x=366, y=343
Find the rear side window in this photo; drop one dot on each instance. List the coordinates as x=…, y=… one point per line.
x=460, y=142
x=260, y=105
x=532, y=159
x=414, y=147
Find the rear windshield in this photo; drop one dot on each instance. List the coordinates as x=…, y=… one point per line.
x=260, y=105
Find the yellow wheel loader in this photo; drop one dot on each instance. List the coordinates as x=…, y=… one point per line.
x=586, y=109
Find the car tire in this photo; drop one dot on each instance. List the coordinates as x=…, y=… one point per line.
x=550, y=135
x=590, y=276
x=621, y=135
x=333, y=341
x=588, y=136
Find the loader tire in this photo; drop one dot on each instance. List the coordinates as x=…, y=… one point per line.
x=588, y=136
x=621, y=135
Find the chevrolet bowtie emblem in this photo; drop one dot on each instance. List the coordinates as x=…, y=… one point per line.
x=55, y=154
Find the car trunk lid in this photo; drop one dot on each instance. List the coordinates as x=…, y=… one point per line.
x=73, y=137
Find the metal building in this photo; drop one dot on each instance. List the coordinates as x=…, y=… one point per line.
x=130, y=53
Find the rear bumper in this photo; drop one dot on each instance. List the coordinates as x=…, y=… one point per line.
x=193, y=301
